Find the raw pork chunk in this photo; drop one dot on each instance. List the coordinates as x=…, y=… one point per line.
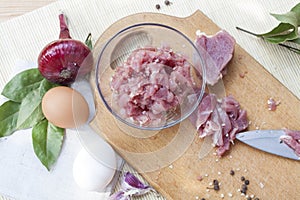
x=221, y=120
x=217, y=50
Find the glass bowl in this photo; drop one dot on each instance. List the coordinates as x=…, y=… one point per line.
x=150, y=76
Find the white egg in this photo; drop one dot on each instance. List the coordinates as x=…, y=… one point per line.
x=91, y=174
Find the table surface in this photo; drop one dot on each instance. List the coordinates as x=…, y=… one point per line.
x=10, y=9
x=13, y=8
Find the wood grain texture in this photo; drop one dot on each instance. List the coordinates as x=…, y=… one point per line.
x=13, y=8
x=271, y=177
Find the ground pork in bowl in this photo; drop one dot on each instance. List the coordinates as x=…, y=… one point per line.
x=150, y=76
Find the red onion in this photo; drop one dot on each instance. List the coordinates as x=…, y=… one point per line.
x=62, y=60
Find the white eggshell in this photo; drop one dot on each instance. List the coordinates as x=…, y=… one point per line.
x=90, y=174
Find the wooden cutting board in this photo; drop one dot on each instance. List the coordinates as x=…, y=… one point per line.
x=168, y=159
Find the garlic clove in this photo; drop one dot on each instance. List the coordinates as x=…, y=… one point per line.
x=119, y=196
x=131, y=186
x=132, y=182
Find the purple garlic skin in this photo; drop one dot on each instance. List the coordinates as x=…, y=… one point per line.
x=131, y=186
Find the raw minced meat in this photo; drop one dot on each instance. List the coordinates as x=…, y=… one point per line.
x=150, y=83
x=272, y=104
x=220, y=119
x=292, y=139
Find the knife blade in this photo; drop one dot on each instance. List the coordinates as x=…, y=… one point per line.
x=268, y=141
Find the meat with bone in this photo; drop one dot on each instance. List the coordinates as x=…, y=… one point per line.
x=221, y=119
x=217, y=50
x=292, y=139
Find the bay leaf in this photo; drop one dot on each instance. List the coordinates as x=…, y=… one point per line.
x=21, y=84
x=47, y=142
x=9, y=112
x=30, y=111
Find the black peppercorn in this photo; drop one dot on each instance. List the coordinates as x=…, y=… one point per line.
x=202, y=198
x=247, y=182
x=244, y=187
x=231, y=172
x=243, y=191
x=157, y=6
x=167, y=2
x=215, y=182
x=216, y=187
x=242, y=178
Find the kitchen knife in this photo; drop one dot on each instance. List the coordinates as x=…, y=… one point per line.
x=268, y=141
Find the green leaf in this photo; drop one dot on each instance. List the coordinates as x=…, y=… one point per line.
x=9, y=112
x=280, y=29
x=296, y=9
x=282, y=38
x=287, y=29
x=45, y=86
x=289, y=18
x=21, y=84
x=296, y=41
x=88, y=41
x=47, y=142
x=30, y=110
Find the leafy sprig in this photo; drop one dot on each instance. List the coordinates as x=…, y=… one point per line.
x=286, y=31
x=23, y=110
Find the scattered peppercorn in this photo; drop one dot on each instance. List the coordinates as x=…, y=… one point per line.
x=215, y=182
x=244, y=189
x=216, y=187
x=203, y=199
x=247, y=182
x=167, y=2
x=231, y=172
x=242, y=178
x=157, y=6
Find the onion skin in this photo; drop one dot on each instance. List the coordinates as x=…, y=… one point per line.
x=64, y=30
x=63, y=60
